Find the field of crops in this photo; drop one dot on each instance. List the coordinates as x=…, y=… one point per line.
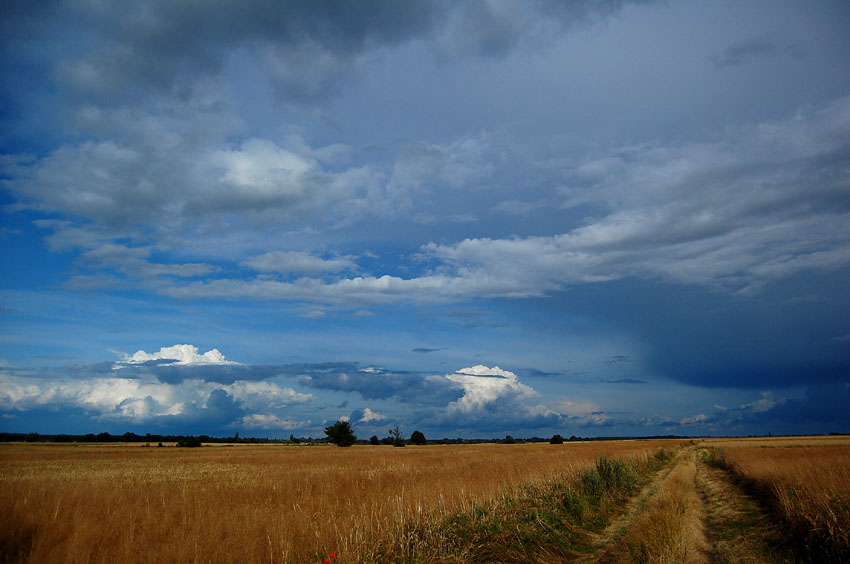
x=805, y=482
x=612, y=501
x=82, y=503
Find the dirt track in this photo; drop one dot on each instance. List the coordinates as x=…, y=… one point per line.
x=692, y=513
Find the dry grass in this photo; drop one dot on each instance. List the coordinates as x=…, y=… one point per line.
x=770, y=442
x=555, y=520
x=255, y=503
x=806, y=481
x=670, y=529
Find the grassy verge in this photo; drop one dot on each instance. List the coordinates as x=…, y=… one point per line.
x=543, y=521
x=815, y=520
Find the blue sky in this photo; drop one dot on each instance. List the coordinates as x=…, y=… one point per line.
x=472, y=219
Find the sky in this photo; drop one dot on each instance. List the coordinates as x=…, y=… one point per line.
x=472, y=219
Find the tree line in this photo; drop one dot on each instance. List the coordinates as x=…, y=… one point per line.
x=394, y=437
x=342, y=434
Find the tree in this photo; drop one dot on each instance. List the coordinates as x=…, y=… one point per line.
x=398, y=438
x=509, y=440
x=418, y=438
x=374, y=440
x=341, y=434
x=556, y=440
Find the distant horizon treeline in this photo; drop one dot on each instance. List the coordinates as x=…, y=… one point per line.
x=130, y=437
x=196, y=440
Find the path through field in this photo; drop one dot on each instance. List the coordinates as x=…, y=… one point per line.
x=690, y=513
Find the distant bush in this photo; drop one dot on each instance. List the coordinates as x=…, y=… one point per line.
x=556, y=440
x=191, y=442
x=418, y=438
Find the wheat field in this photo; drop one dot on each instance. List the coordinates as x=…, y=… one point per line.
x=806, y=481
x=281, y=504
x=84, y=503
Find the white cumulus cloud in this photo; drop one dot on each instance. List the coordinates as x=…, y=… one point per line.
x=483, y=386
x=179, y=354
x=370, y=416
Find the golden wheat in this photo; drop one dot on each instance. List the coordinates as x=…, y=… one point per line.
x=806, y=479
x=253, y=503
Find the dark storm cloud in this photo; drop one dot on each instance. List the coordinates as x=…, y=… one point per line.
x=305, y=45
x=705, y=338
x=160, y=44
x=824, y=405
x=821, y=410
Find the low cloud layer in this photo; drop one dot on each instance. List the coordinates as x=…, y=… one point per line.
x=136, y=395
x=274, y=400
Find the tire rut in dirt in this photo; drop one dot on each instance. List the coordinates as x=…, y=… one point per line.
x=664, y=524
x=739, y=530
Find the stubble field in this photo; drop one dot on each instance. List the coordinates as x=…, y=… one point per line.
x=617, y=501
